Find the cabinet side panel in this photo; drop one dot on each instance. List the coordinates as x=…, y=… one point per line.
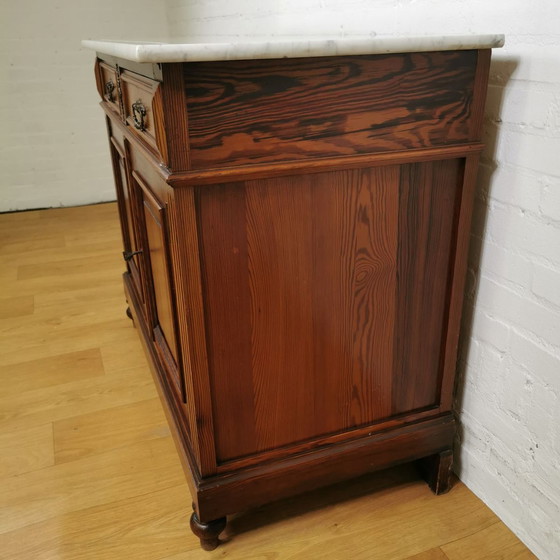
x=243, y=112
x=355, y=244
x=428, y=196
x=300, y=277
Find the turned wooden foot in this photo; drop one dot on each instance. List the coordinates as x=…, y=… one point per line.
x=207, y=532
x=129, y=313
x=436, y=470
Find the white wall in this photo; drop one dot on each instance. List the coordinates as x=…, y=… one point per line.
x=53, y=145
x=510, y=384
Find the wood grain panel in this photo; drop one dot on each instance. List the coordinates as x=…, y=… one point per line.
x=355, y=238
x=299, y=278
x=276, y=110
x=458, y=265
x=279, y=221
x=187, y=267
x=156, y=231
x=428, y=196
x=228, y=317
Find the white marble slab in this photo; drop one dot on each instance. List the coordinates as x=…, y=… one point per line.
x=196, y=52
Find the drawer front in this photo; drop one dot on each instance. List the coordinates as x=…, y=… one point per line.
x=109, y=87
x=143, y=110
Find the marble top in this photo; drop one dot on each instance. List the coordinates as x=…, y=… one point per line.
x=297, y=48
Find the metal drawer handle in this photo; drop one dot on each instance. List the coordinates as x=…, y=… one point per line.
x=129, y=254
x=109, y=88
x=138, y=114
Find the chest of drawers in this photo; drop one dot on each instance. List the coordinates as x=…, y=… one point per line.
x=295, y=235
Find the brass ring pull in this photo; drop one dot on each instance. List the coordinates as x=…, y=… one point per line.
x=109, y=88
x=138, y=114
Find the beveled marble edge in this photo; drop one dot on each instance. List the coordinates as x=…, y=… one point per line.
x=197, y=52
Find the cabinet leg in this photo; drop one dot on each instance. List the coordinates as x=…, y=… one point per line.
x=436, y=469
x=208, y=532
x=129, y=313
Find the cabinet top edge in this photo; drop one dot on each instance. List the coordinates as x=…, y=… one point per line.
x=297, y=48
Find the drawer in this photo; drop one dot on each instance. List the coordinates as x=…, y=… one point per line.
x=108, y=86
x=143, y=110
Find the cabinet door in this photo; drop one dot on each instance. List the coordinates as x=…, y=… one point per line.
x=127, y=203
x=159, y=281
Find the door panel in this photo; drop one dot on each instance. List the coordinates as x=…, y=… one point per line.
x=127, y=209
x=156, y=257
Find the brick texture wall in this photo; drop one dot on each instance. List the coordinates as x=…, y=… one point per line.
x=509, y=372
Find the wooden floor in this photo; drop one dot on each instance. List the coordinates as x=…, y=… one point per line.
x=88, y=468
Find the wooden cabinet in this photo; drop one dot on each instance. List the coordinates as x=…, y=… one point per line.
x=295, y=235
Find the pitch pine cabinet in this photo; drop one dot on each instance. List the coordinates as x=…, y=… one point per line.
x=295, y=237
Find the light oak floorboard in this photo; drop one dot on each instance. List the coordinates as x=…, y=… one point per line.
x=88, y=469
x=16, y=306
x=123, y=473
x=26, y=450
x=124, y=354
x=39, y=406
x=432, y=554
x=13, y=250
x=58, y=338
x=497, y=542
x=113, y=428
x=146, y=527
x=54, y=370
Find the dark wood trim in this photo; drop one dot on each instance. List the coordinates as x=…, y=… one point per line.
x=117, y=152
x=159, y=125
x=222, y=495
x=316, y=443
x=479, y=94
x=436, y=470
x=146, y=69
x=459, y=262
x=175, y=113
x=318, y=165
x=189, y=293
x=98, y=80
x=207, y=532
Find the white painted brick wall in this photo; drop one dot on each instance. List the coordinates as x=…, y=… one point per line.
x=509, y=402
x=53, y=145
